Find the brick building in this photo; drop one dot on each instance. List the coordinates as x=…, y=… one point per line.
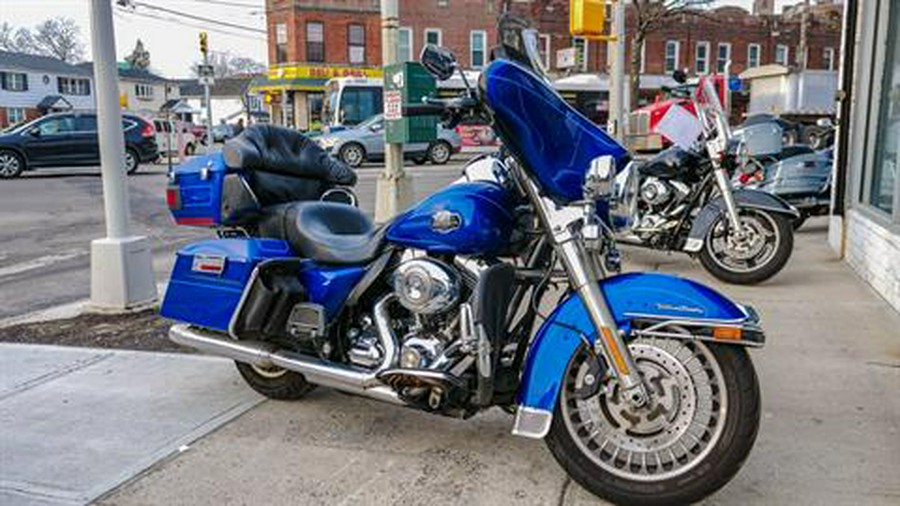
x=313, y=40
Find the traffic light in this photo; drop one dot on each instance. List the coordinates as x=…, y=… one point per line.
x=203, y=46
x=587, y=17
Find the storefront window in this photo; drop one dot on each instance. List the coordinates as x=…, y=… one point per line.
x=887, y=148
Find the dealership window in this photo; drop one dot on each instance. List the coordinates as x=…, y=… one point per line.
x=144, y=91
x=581, y=53
x=356, y=43
x=315, y=42
x=477, y=43
x=753, y=51
x=545, y=50
x=672, y=47
x=281, y=43
x=701, y=58
x=73, y=86
x=13, y=81
x=15, y=115
x=828, y=58
x=883, y=182
x=433, y=36
x=723, y=57
x=404, y=44
x=782, y=53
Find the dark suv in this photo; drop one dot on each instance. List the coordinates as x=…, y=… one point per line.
x=66, y=139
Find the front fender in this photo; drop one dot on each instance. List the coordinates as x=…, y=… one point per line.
x=630, y=297
x=743, y=198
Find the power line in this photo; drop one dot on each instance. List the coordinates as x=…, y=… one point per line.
x=193, y=16
x=170, y=19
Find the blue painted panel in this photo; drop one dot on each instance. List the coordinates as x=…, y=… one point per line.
x=329, y=286
x=626, y=294
x=486, y=218
x=553, y=140
x=208, y=299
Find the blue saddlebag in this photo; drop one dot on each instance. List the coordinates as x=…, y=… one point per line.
x=209, y=278
x=194, y=194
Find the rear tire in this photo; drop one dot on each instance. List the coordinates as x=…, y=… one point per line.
x=440, y=152
x=275, y=383
x=11, y=164
x=702, y=466
x=132, y=161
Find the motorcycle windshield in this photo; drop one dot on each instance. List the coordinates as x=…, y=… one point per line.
x=550, y=138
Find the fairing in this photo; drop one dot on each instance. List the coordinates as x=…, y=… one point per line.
x=554, y=141
x=630, y=296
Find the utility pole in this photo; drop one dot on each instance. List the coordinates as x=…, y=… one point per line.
x=394, y=187
x=616, y=51
x=121, y=263
x=204, y=49
x=802, y=57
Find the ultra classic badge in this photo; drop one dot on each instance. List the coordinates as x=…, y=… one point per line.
x=445, y=221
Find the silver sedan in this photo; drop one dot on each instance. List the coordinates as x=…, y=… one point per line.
x=365, y=143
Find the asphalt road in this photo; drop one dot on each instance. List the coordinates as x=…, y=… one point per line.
x=49, y=217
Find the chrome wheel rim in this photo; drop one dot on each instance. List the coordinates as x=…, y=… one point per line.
x=352, y=155
x=130, y=161
x=748, y=251
x=673, y=433
x=271, y=372
x=440, y=153
x=9, y=164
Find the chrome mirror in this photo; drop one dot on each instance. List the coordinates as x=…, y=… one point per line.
x=598, y=182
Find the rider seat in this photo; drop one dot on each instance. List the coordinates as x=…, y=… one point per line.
x=326, y=232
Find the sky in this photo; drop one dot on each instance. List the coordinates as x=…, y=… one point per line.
x=173, y=45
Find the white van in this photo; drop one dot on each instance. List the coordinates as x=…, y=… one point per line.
x=166, y=129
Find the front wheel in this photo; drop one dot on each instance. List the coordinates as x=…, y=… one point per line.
x=439, y=153
x=132, y=161
x=688, y=441
x=755, y=253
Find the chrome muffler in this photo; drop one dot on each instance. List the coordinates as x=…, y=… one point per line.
x=315, y=370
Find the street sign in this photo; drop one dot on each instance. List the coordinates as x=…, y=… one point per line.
x=207, y=80
x=734, y=83
x=393, y=105
x=565, y=58
x=204, y=70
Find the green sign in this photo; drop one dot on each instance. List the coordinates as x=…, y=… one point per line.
x=407, y=84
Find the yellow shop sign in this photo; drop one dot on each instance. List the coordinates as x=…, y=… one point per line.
x=321, y=72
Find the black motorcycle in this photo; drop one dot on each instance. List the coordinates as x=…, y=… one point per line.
x=682, y=200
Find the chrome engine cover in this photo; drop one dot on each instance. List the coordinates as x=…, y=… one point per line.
x=655, y=192
x=426, y=286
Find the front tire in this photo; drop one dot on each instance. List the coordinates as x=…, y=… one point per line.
x=440, y=152
x=275, y=383
x=689, y=442
x=353, y=155
x=757, y=256
x=132, y=161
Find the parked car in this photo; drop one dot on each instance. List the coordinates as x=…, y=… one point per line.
x=365, y=142
x=64, y=139
x=222, y=132
x=199, y=131
x=165, y=128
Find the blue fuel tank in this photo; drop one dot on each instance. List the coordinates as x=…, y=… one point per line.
x=462, y=219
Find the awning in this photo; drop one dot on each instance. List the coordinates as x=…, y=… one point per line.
x=51, y=102
x=261, y=84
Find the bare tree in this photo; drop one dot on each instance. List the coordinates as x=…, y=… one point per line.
x=226, y=64
x=650, y=16
x=59, y=37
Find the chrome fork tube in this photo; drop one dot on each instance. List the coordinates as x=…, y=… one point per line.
x=728, y=197
x=583, y=277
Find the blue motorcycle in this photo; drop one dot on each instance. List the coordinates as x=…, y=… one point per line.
x=640, y=384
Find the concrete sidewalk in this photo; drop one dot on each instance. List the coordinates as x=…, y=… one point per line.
x=830, y=432
x=77, y=422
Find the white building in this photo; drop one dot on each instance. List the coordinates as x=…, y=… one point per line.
x=31, y=86
x=865, y=226
x=141, y=91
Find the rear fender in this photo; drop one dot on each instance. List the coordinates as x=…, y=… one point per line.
x=746, y=198
x=639, y=302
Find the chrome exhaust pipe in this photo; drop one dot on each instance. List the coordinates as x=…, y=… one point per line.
x=315, y=370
